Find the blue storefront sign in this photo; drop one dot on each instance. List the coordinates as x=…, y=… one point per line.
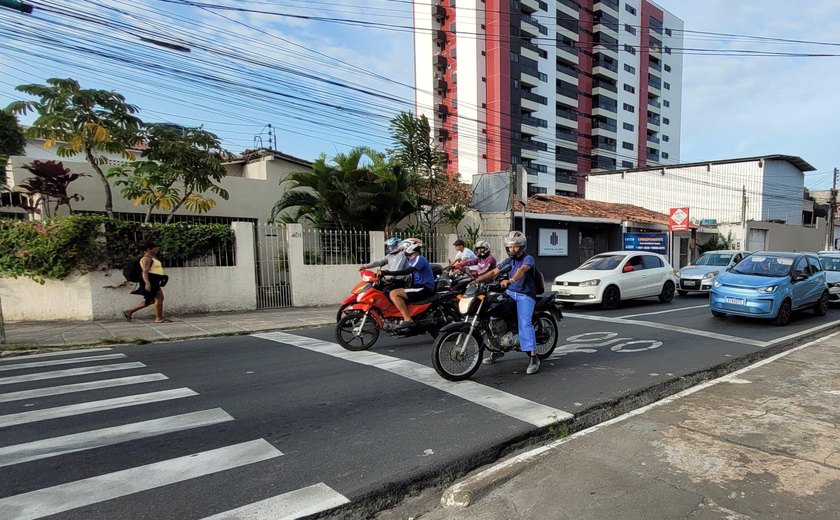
x=653, y=242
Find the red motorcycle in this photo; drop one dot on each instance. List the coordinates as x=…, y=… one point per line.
x=372, y=311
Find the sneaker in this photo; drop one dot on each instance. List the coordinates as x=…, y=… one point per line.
x=533, y=365
x=494, y=356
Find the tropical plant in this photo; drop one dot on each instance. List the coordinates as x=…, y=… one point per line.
x=12, y=141
x=87, y=121
x=454, y=214
x=48, y=183
x=717, y=242
x=180, y=165
x=472, y=234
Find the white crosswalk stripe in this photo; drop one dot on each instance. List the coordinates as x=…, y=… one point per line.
x=70, y=372
x=80, y=387
x=72, y=361
x=94, y=406
x=27, y=357
x=295, y=504
x=42, y=449
x=64, y=497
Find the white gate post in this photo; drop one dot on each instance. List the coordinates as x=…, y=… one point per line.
x=294, y=243
x=245, y=260
x=377, y=245
x=450, y=249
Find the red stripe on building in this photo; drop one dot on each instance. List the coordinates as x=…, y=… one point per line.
x=648, y=10
x=451, y=119
x=497, y=67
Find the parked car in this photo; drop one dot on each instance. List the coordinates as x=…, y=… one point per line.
x=771, y=285
x=699, y=274
x=608, y=278
x=830, y=261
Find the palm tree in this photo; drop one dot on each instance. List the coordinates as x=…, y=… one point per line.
x=88, y=121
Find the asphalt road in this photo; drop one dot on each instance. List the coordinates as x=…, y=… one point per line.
x=294, y=420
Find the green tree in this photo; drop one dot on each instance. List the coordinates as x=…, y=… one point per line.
x=180, y=165
x=87, y=121
x=49, y=183
x=12, y=142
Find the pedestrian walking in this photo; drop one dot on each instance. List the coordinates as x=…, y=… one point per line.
x=152, y=279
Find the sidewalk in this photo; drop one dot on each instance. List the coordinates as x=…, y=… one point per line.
x=759, y=443
x=143, y=327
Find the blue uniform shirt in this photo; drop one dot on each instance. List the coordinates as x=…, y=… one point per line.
x=422, y=275
x=524, y=285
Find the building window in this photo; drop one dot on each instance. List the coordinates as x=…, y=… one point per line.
x=628, y=126
x=665, y=155
x=667, y=85
x=514, y=57
x=667, y=68
x=629, y=28
x=626, y=145
x=630, y=49
x=515, y=83
x=667, y=50
x=666, y=103
x=630, y=9
x=630, y=69
x=628, y=107
x=667, y=32
x=629, y=88
x=666, y=120
x=543, y=76
x=666, y=138
x=626, y=164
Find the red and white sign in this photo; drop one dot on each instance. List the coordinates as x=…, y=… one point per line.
x=678, y=220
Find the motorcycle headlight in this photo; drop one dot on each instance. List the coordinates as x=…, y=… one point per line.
x=717, y=283
x=770, y=289
x=711, y=275
x=464, y=305
x=590, y=283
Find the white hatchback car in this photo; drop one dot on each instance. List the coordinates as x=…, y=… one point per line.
x=608, y=278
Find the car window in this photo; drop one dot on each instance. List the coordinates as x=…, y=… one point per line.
x=602, y=263
x=737, y=258
x=651, y=262
x=764, y=265
x=814, y=265
x=830, y=263
x=636, y=262
x=720, y=259
x=802, y=267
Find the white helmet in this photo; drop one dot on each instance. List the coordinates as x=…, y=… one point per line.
x=516, y=238
x=410, y=245
x=482, y=244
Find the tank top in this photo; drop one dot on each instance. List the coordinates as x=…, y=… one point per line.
x=157, y=267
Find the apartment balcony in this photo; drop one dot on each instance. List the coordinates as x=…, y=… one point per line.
x=652, y=157
x=654, y=85
x=528, y=153
x=529, y=77
x=536, y=146
x=440, y=61
x=568, y=53
x=441, y=85
x=441, y=133
x=605, y=68
x=600, y=162
x=530, y=51
x=655, y=66
x=532, y=5
x=569, y=73
x=566, y=162
x=529, y=105
x=568, y=8
x=440, y=36
x=604, y=127
x=531, y=27
x=600, y=88
x=533, y=96
x=610, y=4
x=440, y=12
x=568, y=96
x=653, y=121
x=653, y=139
x=568, y=115
x=531, y=125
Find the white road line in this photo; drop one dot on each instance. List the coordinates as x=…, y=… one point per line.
x=87, y=359
x=64, y=497
x=93, y=406
x=673, y=328
x=53, y=354
x=79, y=387
x=70, y=372
x=804, y=332
x=45, y=448
x=502, y=402
x=665, y=312
x=295, y=504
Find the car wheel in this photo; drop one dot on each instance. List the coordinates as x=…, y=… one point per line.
x=718, y=314
x=682, y=293
x=822, y=305
x=783, y=317
x=611, y=299
x=667, y=294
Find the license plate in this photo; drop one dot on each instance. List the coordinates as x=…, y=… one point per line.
x=689, y=283
x=735, y=301
x=564, y=292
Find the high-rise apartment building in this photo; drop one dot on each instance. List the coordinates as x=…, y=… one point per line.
x=562, y=87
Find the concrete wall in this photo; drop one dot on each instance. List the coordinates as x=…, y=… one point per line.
x=780, y=237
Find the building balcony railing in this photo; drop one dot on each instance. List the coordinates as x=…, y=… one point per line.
x=565, y=136
x=570, y=3
x=533, y=145
x=654, y=103
x=534, y=121
x=598, y=124
x=653, y=139
x=536, y=98
x=536, y=23
x=568, y=92
x=653, y=121
x=533, y=48
x=655, y=66
x=568, y=71
x=571, y=49
x=652, y=157
x=604, y=85
x=567, y=114
x=610, y=3
x=609, y=65
x=654, y=81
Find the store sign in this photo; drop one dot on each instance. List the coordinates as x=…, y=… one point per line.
x=678, y=220
x=653, y=242
x=554, y=242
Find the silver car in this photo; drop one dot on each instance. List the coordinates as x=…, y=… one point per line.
x=699, y=275
x=830, y=261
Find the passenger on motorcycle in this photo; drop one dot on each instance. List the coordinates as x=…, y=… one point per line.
x=483, y=262
x=422, y=279
x=521, y=289
x=394, y=258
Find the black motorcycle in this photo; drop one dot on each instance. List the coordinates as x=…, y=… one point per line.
x=490, y=323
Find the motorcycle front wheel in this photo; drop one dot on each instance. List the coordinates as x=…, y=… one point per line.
x=545, y=328
x=457, y=355
x=352, y=334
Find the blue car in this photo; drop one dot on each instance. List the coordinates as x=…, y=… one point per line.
x=771, y=285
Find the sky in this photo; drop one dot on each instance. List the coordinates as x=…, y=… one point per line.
x=329, y=74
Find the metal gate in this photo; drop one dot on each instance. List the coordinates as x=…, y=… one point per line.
x=274, y=288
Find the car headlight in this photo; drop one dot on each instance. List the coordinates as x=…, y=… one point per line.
x=770, y=289
x=708, y=276
x=717, y=283
x=836, y=284
x=677, y=274
x=590, y=283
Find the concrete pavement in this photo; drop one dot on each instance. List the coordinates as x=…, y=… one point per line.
x=759, y=443
x=144, y=329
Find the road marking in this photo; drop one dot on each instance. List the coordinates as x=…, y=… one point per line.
x=93, y=406
x=64, y=497
x=80, y=387
x=665, y=312
x=295, y=504
x=496, y=400
x=21, y=366
x=804, y=332
x=70, y=372
x=673, y=328
x=56, y=446
x=53, y=354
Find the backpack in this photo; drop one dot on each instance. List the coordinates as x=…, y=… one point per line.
x=132, y=270
x=539, y=280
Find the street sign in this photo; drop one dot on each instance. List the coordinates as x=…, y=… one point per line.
x=679, y=219
x=653, y=242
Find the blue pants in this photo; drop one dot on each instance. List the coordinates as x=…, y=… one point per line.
x=524, y=314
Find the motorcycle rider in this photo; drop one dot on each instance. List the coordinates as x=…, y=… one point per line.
x=484, y=261
x=422, y=278
x=394, y=258
x=522, y=290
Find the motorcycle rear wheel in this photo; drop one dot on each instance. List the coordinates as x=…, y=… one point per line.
x=347, y=338
x=451, y=364
x=546, y=329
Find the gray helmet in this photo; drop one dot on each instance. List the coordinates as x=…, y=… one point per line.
x=516, y=238
x=482, y=244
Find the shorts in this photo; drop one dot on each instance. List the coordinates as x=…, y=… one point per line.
x=415, y=294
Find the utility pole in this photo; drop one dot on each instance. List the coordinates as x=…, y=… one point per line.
x=17, y=5
x=743, y=206
x=832, y=213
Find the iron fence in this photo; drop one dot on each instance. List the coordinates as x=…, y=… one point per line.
x=335, y=247
x=436, y=247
